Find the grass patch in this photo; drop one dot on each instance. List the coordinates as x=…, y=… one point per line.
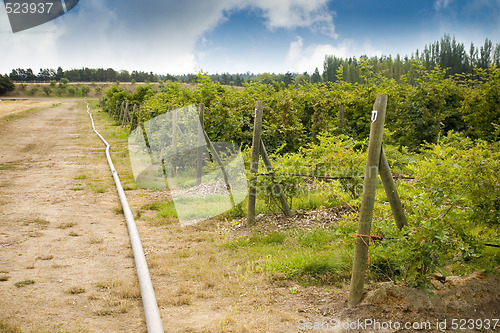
x=24, y=283
x=99, y=189
x=8, y=166
x=4, y=276
x=82, y=176
x=106, y=285
x=76, y=290
x=165, y=209
x=46, y=257
x=37, y=221
x=95, y=240
x=77, y=188
x=315, y=257
x=5, y=327
x=66, y=225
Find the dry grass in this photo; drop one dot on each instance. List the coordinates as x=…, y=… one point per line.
x=66, y=225
x=4, y=276
x=76, y=290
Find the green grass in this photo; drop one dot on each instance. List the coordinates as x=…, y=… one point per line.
x=24, y=283
x=316, y=257
x=165, y=209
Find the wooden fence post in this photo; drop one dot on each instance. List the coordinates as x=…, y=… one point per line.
x=367, y=201
x=391, y=191
x=254, y=163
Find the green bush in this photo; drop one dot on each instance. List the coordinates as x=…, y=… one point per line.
x=453, y=208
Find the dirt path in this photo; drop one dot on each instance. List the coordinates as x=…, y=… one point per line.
x=65, y=259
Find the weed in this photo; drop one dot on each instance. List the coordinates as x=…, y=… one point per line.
x=77, y=188
x=66, y=225
x=104, y=285
x=24, y=283
x=37, y=221
x=4, y=276
x=95, y=240
x=46, y=257
x=74, y=234
x=76, y=290
x=100, y=190
x=103, y=312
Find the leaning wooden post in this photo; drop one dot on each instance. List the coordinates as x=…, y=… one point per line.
x=254, y=163
x=201, y=139
x=217, y=158
x=367, y=201
x=276, y=186
x=391, y=191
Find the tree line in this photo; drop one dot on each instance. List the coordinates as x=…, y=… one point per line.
x=81, y=75
x=447, y=53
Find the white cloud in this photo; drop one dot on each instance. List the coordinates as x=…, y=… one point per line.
x=302, y=58
x=149, y=35
x=297, y=13
x=441, y=4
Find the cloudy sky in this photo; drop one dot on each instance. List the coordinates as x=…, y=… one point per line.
x=216, y=36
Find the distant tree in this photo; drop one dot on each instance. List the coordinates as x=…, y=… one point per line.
x=6, y=84
x=302, y=79
x=264, y=78
x=59, y=73
x=238, y=81
x=316, y=77
x=496, y=56
x=124, y=76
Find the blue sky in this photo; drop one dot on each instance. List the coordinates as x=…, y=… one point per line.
x=258, y=36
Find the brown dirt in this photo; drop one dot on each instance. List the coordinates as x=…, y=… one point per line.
x=61, y=227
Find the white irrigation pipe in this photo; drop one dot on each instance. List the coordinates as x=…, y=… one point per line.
x=153, y=320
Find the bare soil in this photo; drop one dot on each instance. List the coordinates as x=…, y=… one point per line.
x=66, y=263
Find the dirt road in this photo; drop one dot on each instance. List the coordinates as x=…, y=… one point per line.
x=65, y=259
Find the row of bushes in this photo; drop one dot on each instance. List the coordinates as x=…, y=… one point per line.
x=451, y=199
x=424, y=106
